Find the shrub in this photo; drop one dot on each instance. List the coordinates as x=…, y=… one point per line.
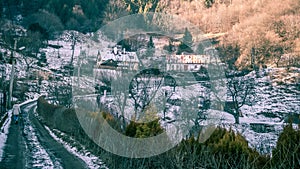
x=45, y=109
x=287, y=151
x=224, y=149
x=143, y=130
x=59, y=117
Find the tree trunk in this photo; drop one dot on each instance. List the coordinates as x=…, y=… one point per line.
x=237, y=115
x=237, y=118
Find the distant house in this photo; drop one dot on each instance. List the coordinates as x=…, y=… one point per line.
x=117, y=59
x=187, y=62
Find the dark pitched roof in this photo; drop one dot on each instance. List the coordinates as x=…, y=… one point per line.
x=110, y=62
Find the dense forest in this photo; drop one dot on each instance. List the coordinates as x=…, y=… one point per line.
x=265, y=30
x=84, y=16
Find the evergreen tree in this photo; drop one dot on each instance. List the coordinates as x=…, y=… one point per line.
x=143, y=130
x=150, y=43
x=186, y=43
x=229, y=54
x=209, y=3
x=287, y=151
x=150, y=48
x=187, y=38
x=147, y=126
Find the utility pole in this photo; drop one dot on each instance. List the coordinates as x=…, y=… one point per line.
x=73, y=47
x=12, y=75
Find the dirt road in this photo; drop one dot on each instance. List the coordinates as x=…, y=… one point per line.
x=29, y=145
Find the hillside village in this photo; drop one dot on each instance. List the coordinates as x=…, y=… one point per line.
x=217, y=80
x=173, y=62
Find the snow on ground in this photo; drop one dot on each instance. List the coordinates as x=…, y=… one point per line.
x=4, y=133
x=262, y=142
x=274, y=99
x=5, y=127
x=39, y=157
x=262, y=121
x=273, y=102
x=91, y=160
x=29, y=101
x=59, y=57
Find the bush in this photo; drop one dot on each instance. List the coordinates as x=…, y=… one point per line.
x=59, y=117
x=143, y=130
x=115, y=123
x=224, y=149
x=45, y=109
x=287, y=151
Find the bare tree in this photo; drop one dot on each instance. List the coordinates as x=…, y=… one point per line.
x=74, y=38
x=144, y=87
x=29, y=61
x=32, y=44
x=114, y=10
x=141, y=6
x=241, y=91
x=120, y=91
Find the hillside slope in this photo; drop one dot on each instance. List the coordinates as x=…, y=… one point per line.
x=264, y=28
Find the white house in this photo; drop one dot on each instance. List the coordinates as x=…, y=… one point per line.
x=125, y=60
x=188, y=62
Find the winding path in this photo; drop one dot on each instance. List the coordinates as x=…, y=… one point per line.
x=29, y=145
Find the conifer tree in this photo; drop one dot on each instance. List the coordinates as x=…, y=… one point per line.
x=287, y=151
x=186, y=43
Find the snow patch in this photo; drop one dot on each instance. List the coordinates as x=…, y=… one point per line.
x=39, y=156
x=91, y=160
x=4, y=133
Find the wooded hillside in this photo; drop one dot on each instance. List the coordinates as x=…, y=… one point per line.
x=266, y=29
x=255, y=32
